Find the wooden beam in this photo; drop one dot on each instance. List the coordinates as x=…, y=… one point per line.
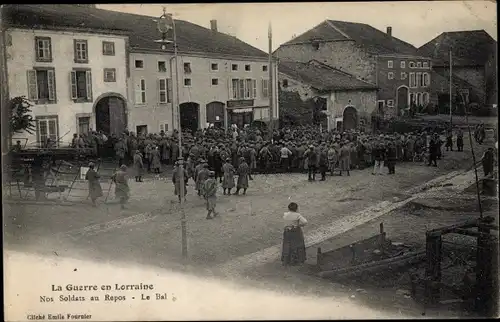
x=399, y=260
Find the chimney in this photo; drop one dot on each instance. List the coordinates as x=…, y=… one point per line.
x=213, y=25
x=389, y=31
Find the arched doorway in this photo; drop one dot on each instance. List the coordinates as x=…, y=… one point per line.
x=110, y=113
x=189, y=116
x=215, y=114
x=402, y=99
x=350, y=118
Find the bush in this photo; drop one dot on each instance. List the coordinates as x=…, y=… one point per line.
x=21, y=119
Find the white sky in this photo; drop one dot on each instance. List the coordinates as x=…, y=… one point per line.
x=414, y=22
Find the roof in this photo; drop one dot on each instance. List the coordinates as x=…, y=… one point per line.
x=322, y=77
x=142, y=30
x=458, y=82
x=469, y=48
x=372, y=39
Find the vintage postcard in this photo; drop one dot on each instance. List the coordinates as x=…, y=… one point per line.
x=239, y=161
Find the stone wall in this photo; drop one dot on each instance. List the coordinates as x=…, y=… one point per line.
x=344, y=55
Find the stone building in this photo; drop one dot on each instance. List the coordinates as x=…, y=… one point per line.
x=347, y=101
x=392, y=65
x=473, y=66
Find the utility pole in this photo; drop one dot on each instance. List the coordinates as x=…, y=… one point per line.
x=271, y=83
x=165, y=23
x=451, y=95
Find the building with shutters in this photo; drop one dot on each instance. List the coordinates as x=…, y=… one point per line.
x=70, y=73
x=103, y=70
x=371, y=55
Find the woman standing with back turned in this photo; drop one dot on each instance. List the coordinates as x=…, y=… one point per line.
x=294, y=248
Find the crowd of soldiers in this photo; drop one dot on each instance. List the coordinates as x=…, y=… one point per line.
x=298, y=149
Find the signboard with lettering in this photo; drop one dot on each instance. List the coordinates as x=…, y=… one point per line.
x=240, y=103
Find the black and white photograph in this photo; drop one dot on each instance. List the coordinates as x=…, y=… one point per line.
x=249, y=161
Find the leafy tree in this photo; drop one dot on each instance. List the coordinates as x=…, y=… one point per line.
x=21, y=119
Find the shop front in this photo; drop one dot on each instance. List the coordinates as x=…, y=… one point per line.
x=240, y=113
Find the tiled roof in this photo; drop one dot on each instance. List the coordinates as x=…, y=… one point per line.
x=469, y=48
x=142, y=30
x=322, y=77
x=458, y=82
x=372, y=39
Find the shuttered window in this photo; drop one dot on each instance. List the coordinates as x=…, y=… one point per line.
x=140, y=91
x=81, y=85
x=162, y=91
x=41, y=85
x=47, y=128
x=265, y=88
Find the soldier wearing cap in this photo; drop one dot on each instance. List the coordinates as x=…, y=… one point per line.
x=178, y=171
x=228, y=179
x=122, y=190
x=95, y=190
x=210, y=194
x=312, y=160
x=201, y=176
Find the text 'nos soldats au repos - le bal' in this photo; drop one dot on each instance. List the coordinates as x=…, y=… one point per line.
x=105, y=292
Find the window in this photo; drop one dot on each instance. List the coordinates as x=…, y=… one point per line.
x=187, y=81
x=285, y=83
x=214, y=66
x=83, y=125
x=42, y=85
x=419, y=99
x=139, y=64
x=425, y=98
x=264, y=68
x=248, y=88
x=265, y=88
x=47, y=128
x=404, y=75
x=243, y=88
x=81, y=85
x=215, y=81
x=164, y=91
x=390, y=64
x=403, y=64
x=81, y=51
x=43, y=47
x=413, y=82
x=412, y=64
x=140, y=91
x=426, y=80
x=109, y=75
x=141, y=129
x=187, y=68
x=162, y=66
x=412, y=98
x=419, y=64
x=108, y=48
x=164, y=127
x=390, y=103
x=425, y=65
x=247, y=68
x=419, y=80
x=390, y=75
x=234, y=67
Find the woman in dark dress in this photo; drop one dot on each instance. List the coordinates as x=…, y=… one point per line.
x=294, y=248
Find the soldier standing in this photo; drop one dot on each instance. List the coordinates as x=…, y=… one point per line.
x=122, y=190
x=210, y=194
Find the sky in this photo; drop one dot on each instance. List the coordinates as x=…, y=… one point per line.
x=411, y=21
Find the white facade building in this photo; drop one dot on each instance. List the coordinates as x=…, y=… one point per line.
x=213, y=89
x=68, y=75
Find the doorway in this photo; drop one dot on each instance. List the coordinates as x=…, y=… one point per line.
x=189, y=116
x=111, y=117
x=215, y=114
x=402, y=95
x=350, y=118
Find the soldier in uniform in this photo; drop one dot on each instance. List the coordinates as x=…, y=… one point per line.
x=210, y=194
x=95, y=190
x=122, y=190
